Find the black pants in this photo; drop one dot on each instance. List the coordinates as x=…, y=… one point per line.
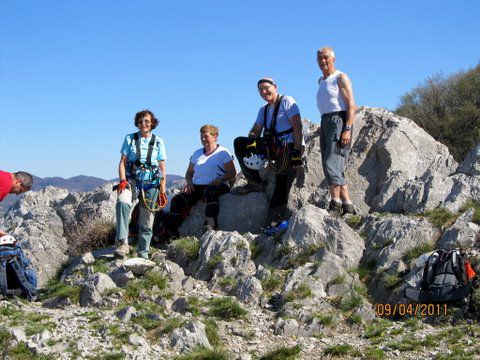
x=283, y=180
x=182, y=203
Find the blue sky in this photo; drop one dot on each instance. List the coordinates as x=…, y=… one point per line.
x=74, y=73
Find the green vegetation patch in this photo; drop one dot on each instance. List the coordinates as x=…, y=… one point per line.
x=418, y=250
x=476, y=207
x=392, y=280
x=302, y=291
x=340, y=350
x=283, y=353
x=190, y=246
x=56, y=288
x=202, y=353
x=255, y=249
x=272, y=283
x=214, y=261
x=226, y=308
x=147, y=282
x=365, y=270
x=353, y=221
x=440, y=217
x=101, y=266
x=211, y=329
x=374, y=353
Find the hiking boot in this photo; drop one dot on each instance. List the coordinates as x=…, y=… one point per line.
x=251, y=186
x=348, y=209
x=334, y=208
x=122, y=250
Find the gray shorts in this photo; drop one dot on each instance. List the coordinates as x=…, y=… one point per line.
x=334, y=158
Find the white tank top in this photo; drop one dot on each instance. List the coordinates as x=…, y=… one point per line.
x=329, y=98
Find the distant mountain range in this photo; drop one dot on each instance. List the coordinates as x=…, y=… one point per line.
x=73, y=184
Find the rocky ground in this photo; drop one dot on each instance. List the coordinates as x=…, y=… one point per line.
x=318, y=290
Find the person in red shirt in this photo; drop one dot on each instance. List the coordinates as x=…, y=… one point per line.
x=14, y=183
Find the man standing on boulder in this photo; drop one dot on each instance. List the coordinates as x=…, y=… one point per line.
x=281, y=144
x=336, y=104
x=14, y=183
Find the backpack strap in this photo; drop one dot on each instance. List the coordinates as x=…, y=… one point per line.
x=151, y=145
x=273, y=124
x=458, y=266
x=3, y=277
x=136, y=138
x=28, y=289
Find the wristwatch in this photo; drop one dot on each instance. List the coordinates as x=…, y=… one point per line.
x=347, y=128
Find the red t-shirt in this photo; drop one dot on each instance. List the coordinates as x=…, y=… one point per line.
x=5, y=184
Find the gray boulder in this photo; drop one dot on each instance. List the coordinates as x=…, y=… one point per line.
x=463, y=233
x=471, y=164
x=189, y=337
x=388, y=238
x=138, y=266
x=39, y=230
x=223, y=254
x=312, y=229
x=94, y=288
x=242, y=213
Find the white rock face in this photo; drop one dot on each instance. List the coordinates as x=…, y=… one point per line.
x=190, y=336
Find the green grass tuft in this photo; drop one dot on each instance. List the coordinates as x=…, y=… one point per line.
x=284, y=353
x=214, y=261
x=202, y=353
x=420, y=249
x=440, y=217
x=190, y=246
x=302, y=291
x=226, y=308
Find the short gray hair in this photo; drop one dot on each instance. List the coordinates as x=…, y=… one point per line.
x=327, y=49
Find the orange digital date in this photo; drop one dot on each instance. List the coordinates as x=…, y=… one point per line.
x=410, y=309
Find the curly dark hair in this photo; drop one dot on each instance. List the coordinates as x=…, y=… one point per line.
x=141, y=114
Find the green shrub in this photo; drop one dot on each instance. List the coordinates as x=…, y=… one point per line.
x=340, y=279
x=325, y=319
x=391, y=280
x=190, y=246
x=227, y=282
x=147, y=282
x=350, y=302
x=284, y=353
x=448, y=108
x=56, y=288
x=374, y=353
x=225, y=308
x=255, y=249
x=353, y=221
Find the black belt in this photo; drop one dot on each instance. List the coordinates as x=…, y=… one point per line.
x=341, y=113
x=288, y=131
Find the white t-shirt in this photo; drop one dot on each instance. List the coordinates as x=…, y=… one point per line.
x=329, y=98
x=208, y=168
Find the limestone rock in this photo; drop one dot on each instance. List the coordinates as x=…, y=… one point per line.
x=138, y=266
x=463, y=233
x=313, y=228
x=190, y=336
x=249, y=214
x=94, y=288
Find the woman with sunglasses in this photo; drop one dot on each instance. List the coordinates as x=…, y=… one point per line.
x=142, y=176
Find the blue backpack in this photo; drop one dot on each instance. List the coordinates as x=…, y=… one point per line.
x=17, y=277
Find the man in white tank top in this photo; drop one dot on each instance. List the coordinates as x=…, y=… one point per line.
x=336, y=104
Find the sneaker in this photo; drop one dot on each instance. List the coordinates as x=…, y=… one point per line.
x=348, y=209
x=122, y=250
x=334, y=208
x=209, y=224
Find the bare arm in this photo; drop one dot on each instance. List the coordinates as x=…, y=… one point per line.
x=230, y=174
x=255, y=131
x=122, y=166
x=163, y=169
x=296, y=123
x=189, y=178
x=345, y=86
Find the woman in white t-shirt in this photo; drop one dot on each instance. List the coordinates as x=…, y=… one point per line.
x=208, y=176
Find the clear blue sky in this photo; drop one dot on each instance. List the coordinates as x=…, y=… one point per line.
x=74, y=73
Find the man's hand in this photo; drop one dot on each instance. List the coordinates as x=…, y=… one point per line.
x=345, y=138
x=2, y=233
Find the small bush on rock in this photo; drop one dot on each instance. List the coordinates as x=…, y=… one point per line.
x=476, y=210
x=418, y=250
x=302, y=291
x=88, y=234
x=440, y=217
